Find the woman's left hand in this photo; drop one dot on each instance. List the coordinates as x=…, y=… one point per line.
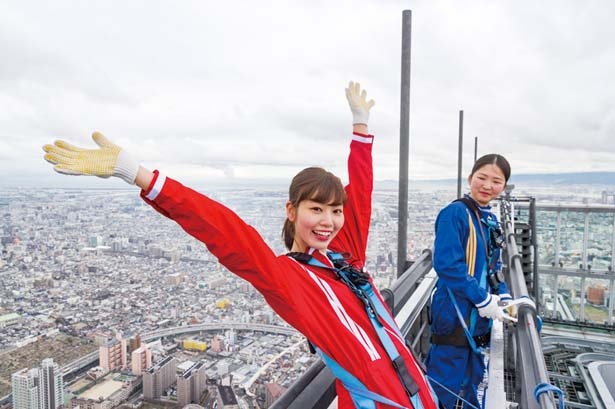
x=359, y=105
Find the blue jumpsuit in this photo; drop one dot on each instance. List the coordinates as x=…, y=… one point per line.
x=460, y=260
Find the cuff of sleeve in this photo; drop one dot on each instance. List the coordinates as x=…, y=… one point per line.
x=484, y=302
x=155, y=186
x=360, y=137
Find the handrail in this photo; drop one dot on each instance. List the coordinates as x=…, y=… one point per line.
x=531, y=367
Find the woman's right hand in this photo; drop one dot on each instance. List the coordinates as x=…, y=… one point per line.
x=490, y=308
x=108, y=160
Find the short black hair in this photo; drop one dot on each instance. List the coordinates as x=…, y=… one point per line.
x=493, y=159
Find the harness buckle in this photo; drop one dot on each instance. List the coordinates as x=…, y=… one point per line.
x=404, y=376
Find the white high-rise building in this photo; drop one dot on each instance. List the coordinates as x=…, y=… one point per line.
x=51, y=389
x=25, y=389
x=38, y=388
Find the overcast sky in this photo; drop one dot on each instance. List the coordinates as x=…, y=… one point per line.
x=219, y=90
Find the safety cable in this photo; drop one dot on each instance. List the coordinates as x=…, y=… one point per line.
x=450, y=391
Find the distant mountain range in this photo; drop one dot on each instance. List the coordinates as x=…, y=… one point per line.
x=559, y=179
x=579, y=178
x=575, y=178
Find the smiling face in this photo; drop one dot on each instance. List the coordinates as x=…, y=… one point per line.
x=486, y=183
x=316, y=224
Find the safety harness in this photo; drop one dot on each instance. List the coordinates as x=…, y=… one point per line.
x=462, y=335
x=358, y=282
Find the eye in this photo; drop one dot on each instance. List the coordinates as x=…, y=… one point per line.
x=338, y=211
x=316, y=209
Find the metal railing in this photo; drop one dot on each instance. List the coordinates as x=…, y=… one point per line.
x=529, y=364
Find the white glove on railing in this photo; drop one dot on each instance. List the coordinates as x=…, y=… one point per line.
x=489, y=308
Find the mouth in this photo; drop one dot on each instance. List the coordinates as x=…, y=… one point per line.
x=322, y=235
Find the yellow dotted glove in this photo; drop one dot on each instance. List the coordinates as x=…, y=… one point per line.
x=108, y=160
x=359, y=105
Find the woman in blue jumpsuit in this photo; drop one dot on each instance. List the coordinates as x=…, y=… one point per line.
x=465, y=262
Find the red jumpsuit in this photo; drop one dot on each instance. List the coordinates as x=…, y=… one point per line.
x=309, y=298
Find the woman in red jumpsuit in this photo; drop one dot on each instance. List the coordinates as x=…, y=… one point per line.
x=321, y=215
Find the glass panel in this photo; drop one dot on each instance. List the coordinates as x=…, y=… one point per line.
x=600, y=241
x=571, y=239
x=569, y=291
x=596, y=300
x=546, y=226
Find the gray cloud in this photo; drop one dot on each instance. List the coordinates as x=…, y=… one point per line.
x=205, y=89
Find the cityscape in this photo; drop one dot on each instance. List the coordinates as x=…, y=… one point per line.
x=104, y=302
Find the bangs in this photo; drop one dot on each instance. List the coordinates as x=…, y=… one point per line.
x=328, y=190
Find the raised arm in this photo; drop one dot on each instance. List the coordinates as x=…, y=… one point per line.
x=357, y=210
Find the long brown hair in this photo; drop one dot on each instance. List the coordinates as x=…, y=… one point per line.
x=315, y=184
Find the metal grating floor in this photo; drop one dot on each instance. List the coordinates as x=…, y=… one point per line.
x=564, y=375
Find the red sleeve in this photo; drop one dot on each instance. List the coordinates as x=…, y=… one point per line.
x=237, y=245
x=352, y=238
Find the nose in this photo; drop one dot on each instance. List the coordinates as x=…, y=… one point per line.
x=327, y=218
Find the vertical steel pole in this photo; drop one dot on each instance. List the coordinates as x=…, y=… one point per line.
x=558, y=224
x=459, y=153
x=558, y=238
x=534, y=244
x=475, y=148
x=585, y=240
x=611, y=284
x=404, y=144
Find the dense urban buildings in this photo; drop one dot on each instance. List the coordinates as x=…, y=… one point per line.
x=99, y=271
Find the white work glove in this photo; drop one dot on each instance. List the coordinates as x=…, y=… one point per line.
x=490, y=308
x=359, y=105
x=511, y=310
x=108, y=160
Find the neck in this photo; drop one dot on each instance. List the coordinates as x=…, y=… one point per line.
x=308, y=250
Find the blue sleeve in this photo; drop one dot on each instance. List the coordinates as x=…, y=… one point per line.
x=449, y=257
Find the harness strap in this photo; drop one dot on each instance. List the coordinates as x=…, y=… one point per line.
x=466, y=331
x=358, y=283
x=490, y=253
x=376, y=313
x=458, y=338
x=362, y=397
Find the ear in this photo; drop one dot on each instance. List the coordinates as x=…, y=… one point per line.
x=470, y=180
x=291, y=211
